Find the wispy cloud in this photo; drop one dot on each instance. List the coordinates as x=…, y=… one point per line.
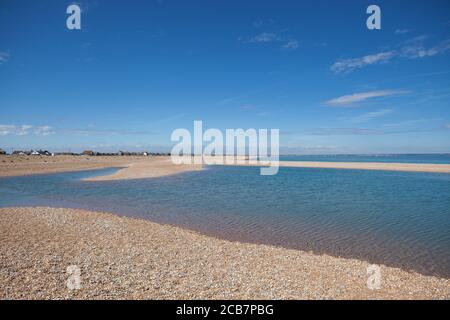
x=401, y=127
x=419, y=50
x=43, y=131
x=343, y=131
x=371, y=115
x=370, y=131
x=293, y=44
x=91, y=132
x=351, y=99
x=411, y=49
x=4, y=57
x=348, y=65
x=22, y=130
x=262, y=37
x=272, y=37
x=402, y=31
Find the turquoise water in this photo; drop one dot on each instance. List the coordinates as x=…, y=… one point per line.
x=396, y=218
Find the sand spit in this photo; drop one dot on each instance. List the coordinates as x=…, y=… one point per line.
x=134, y=167
x=126, y=258
x=147, y=169
x=411, y=167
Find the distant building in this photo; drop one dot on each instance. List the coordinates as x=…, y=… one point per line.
x=44, y=153
x=21, y=153
x=88, y=153
x=106, y=154
x=40, y=153
x=2, y=152
x=66, y=154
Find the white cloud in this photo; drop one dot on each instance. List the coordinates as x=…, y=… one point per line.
x=293, y=44
x=7, y=129
x=371, y=115
x=4, y=57
x=348, y=65
x=411, y=49
x=22, y=130
x=268, y=37
x=105, y=132
x=44, y=131
x=418, y=50
x=348, y=100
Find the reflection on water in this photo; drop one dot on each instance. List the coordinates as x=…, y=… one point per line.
x=397, y=218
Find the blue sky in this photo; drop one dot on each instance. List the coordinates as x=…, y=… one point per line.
x=139, y=69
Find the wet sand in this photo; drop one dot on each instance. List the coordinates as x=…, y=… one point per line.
x=126, y=258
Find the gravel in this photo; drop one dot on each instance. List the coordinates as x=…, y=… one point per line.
x=126, y=258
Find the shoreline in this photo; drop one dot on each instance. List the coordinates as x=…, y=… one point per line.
x=152, y=167
x=123, y=257
x=130, y=167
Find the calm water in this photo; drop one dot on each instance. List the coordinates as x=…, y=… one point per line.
x=396, y=218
